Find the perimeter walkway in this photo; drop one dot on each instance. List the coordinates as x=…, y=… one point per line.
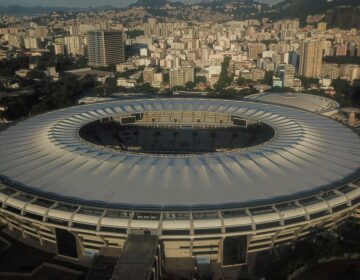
x=140, y=259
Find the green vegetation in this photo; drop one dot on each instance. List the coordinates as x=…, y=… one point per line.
x=268, y=42
x=242, y=81
x=190, y=85
x=48, y=95
x=110, y=85
x=334, y=15
x=268, y=78
x=224, y=79
x=343, y=90
x=200, y=79
x=342, y=59
x=60, y=62
x=280, y=263
x=345, y=94
x=281, y=89
x=143, y=88
x=44, y=94
x=306, y=82
x=134, y=33
x=10, y=65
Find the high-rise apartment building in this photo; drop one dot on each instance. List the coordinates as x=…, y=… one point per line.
x=180, y=76
x=341, y=50
x=31, y=42
x=310, y=58
x=154, y=79
x=330, y=70
x=150, y=27
x=15, y=40
x=148, y=75
x=287, y=75
x=59, y=49
x=41, y=32
x=158, y=80
x=106, y=47
x=74, y=29
x=74, y=45
x=255, y=50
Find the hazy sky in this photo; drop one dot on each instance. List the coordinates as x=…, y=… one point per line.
x=85, y=3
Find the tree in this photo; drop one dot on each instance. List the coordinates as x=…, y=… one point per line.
x=306, y=81
x=190, y=85
x=268, y=78
x=281, y=89
x=200, y=79
x=342, y=89
x=36, y=74
x=60, y=62
x=342, y=59
x=110, y=85
x=224, y=79
x=242, y=81
x=10, y=65
x=134, y=33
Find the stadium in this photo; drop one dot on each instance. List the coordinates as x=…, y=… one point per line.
x=213, y=179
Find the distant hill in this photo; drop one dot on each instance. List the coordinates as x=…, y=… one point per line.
x=40, y=10
x=345, y=18
x=20, y=10
x=338, y=13
x=155, y=3
x=150, y=3
x=303, y=8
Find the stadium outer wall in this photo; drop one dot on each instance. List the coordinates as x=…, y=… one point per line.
x=182, y=234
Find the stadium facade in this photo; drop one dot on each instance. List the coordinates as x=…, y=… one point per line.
x=214, y=179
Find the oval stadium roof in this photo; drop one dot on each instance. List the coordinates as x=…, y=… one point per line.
x=309, y=152
x=304, y=101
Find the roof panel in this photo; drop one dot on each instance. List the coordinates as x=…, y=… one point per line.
x=308, y=153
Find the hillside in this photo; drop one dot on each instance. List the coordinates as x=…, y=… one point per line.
x=303, y=8
x=345, y=18
x=338, y=13
x=155, y=3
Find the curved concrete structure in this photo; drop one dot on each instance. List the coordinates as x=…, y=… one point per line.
x=303, y=180
x=308, y=102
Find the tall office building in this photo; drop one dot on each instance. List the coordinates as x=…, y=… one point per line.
x=310, y=58
x=293, y=59
x=106, y=47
